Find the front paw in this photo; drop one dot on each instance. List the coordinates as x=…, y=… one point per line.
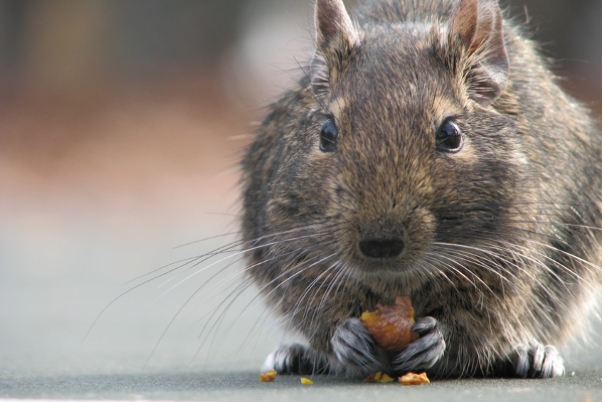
x=538, y=361
x=424, y=352
x=296, y=359
x=355, y=349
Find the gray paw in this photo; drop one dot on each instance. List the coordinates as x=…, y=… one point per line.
x=296, y=359
x=424, y=352
x=354, y=347
x=538, y=361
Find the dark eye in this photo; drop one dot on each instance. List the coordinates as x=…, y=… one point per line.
x=449, y=137
x=327, y=137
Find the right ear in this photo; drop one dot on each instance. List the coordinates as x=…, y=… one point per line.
x=336, y=39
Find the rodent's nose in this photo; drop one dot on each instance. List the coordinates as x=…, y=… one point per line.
x=381, y=248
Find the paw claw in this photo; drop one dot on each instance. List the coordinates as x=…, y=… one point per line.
x=424, y=325
x=296, y=359
x=538, y=361
x=353, y=346
x=424, y=352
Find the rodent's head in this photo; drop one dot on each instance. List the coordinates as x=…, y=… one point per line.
x=400, y=148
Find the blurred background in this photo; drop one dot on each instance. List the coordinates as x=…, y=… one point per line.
x=120, y=127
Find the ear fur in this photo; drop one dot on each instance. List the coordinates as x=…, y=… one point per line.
x=333, y=24
x=478, y=25
x=336, y=38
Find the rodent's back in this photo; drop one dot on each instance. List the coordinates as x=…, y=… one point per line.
x=505, y=230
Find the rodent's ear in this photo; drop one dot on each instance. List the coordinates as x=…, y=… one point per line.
x=333, y=25
x=336, y=36
x=478, y=24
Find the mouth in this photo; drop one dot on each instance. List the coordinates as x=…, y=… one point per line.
x=382, y=268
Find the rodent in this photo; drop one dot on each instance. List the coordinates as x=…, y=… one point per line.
x=427, y=151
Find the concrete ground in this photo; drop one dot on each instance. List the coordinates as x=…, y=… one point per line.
x=244, y=386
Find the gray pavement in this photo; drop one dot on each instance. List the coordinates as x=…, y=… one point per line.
x=244, y=386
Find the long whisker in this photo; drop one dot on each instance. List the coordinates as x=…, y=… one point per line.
x=192, y=296
x=286, y=272
x=318, y=288
x=264, y=296
x=231, y=256
x=479, y=260
x=186, y=261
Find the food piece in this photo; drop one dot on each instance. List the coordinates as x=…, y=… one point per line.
x=413, y=379
x=268, y=376
x=305, y=381
x=391, y=326
x=379, y=377
x=385, y=378
x=373, y=377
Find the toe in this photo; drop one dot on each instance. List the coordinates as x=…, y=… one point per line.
x=552, y=366
x=353, y=345
x=522, y=361
x=538, y=361
x=296, y=359
x=424, y=325
x=421, y=354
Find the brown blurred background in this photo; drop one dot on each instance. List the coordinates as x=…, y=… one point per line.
x=120, y=126
x=118, y=95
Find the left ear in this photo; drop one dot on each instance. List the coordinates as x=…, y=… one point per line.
x=335, y=32
x=478, y=25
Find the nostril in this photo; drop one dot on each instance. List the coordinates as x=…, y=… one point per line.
x=381, y=248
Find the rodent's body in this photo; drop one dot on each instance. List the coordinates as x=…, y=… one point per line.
x=497, y=240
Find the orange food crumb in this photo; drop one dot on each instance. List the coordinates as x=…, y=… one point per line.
x=268, y=376
x=414, y=379
x=391, y=326
x=305, y=381
x=379, y=377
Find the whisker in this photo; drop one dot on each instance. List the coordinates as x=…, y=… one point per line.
x=479, y=260
x=200, y=288
x=230, y=256
x=206, y=239
x=264, y=297
x=340, y=274
x=309, y=303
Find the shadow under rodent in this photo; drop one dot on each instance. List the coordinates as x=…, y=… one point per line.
x=426, y=151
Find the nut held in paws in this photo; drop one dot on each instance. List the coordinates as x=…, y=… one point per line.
x=391, y=326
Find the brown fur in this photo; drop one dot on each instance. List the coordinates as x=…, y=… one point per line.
x=502, y=240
